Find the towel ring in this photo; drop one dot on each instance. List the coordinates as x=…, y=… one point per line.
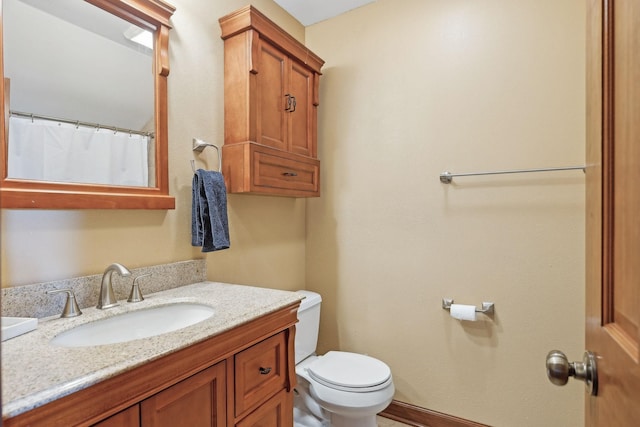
x=199, y=145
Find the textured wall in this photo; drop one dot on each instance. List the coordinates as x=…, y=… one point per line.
x=412, y=88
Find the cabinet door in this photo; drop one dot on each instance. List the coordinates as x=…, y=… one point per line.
x=277, y=412
x=198, y=401
x=302, y=116
x=271, y=97
x=130, y=417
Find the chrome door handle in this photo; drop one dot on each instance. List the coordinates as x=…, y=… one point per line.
x=559, y=369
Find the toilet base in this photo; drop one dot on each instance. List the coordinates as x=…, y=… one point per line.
x=303, y=416
x=303, y=419
x=307, y=413
x=342, y=421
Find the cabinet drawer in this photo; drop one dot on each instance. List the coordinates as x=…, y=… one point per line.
x=260, y=372
x=254, y=168
x=277, y=171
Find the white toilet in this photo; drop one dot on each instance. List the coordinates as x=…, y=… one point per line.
x=338, y=389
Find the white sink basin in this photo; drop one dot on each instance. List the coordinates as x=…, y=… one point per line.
x=134, y=325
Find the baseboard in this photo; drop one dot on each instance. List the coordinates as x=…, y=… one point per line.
x=421, y=417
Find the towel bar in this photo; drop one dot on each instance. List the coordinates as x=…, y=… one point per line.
x=447, y=177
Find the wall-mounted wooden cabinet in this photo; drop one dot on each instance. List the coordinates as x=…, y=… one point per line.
x=271, y=86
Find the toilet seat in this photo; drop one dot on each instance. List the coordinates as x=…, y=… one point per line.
x=350, y=372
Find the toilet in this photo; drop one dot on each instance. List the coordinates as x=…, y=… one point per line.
x=338, y=389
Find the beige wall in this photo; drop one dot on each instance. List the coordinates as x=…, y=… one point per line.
x=412, y=88
x=268, y=234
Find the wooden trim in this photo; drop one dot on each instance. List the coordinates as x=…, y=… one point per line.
x=251, y=18
x=422, y=417
x=17, y=198
x=7, y=101
x=608, y=157
x=291, y=355
x=144, y=13
x=162, y=51
x=16, y=193
x=161, y=111
x=4, y=105
x=230, y=402
x=594, y=174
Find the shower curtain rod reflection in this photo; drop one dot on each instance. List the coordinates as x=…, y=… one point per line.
x=447, y=177
x=77, y=123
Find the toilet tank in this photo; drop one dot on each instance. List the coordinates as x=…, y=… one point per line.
x=308, y=325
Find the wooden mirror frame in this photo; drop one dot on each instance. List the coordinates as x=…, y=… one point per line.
x=154, y=16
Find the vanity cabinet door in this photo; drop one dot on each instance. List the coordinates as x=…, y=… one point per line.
x=285, y=114
x=128, y=418
x=198, y=401
x=277, y=412
x=303, y=113
x=271, y=97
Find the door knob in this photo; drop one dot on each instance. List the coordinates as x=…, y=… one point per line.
x=559, y=369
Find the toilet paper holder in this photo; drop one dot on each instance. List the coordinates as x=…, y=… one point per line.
x=488, y=308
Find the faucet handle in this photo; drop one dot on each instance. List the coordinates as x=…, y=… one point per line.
x=136, y=295
x=71, y=308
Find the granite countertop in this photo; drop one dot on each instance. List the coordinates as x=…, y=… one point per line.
x=35, y=372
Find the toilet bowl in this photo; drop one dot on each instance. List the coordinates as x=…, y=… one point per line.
x=337, y=389
x=350, y=388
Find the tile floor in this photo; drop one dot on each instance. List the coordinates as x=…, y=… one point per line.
x=386, y=422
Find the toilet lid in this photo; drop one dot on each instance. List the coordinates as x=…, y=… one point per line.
x=350, y=371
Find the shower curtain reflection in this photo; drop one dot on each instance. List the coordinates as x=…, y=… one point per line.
x=51, y=151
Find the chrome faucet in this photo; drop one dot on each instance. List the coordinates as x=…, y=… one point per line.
x=107, y=299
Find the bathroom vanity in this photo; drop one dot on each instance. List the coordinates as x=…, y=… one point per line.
x=234, y=369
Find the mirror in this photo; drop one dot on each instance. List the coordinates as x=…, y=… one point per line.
x=77, y=115
x=48, y=111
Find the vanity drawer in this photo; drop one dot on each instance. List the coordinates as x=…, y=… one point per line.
x=260, y=372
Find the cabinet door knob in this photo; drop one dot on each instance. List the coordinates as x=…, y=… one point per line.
x=290, y=173
x=264, y=371
x=294, y=104
x=288, y=102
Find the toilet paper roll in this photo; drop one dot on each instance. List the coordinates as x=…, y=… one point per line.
x=463, y=312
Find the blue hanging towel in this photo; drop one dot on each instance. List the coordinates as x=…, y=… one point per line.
x=209, y=222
